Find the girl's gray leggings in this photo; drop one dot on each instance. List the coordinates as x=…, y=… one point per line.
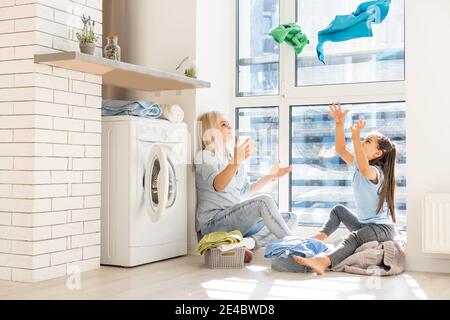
x=360, y=233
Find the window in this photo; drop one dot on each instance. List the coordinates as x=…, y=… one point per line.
x=373, y=71
x=258, y=54
x=261, y=125
x=320, y=179
x=379, y=58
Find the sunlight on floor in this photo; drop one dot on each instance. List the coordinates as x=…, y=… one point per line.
x=323, y=288
x=230, y=288
x=313, y=288
x=415, y=288
x=215, y=294
x=300, y=293
x=257, y=268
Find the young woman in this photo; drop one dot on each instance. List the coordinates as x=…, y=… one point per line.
x=374, y=190
x=222, y=184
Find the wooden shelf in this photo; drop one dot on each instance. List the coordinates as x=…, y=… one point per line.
x=121, y=74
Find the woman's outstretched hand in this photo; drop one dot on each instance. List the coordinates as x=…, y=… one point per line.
x=336, y=113
x=278, y=172
x=242, y=151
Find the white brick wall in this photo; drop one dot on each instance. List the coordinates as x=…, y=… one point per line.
x=50, y=143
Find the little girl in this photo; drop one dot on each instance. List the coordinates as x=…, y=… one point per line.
x=222, y=185
x=374, y=189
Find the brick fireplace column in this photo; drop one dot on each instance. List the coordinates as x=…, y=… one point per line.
x=50, y=144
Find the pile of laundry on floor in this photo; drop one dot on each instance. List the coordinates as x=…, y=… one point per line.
x=376, y=258
x=224, y=241
x=372, y=258
x=280, y=252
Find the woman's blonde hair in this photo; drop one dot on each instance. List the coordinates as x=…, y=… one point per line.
x=209, y=129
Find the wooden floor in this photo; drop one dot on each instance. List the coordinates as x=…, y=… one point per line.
x=187, y=278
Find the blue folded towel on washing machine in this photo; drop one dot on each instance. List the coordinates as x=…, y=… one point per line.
x=139, y=108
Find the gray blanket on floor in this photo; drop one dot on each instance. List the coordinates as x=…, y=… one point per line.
x=374, y=258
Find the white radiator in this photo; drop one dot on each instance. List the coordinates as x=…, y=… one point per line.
x=436, y=223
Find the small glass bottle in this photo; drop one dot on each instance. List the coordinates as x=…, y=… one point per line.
x=112, y=49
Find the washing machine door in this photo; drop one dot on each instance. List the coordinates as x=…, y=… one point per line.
x=160, y=181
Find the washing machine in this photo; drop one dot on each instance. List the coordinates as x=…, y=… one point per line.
x=144, y=204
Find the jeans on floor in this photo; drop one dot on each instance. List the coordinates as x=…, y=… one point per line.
x=360, y=233
x=257, y=217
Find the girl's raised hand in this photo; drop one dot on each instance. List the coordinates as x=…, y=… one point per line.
x=357, y=127
x=336, y=112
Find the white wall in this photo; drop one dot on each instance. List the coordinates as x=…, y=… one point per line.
x=428, y=114
x=160, y=34
x=215, y=60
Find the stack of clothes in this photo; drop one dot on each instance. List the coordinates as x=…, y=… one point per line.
x=376, y=258
x=224, y=241
x=280, y=252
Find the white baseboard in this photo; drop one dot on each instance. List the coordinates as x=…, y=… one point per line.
x=421, y=264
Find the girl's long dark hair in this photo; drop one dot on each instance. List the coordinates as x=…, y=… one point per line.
x=387, y=163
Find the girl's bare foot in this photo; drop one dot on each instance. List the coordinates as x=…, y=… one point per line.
x=248, y=256
x=318, y=264
x=320, y=236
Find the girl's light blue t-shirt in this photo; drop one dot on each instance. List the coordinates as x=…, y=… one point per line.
x=366, y=197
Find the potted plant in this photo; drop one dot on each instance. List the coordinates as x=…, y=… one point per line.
x=87, y=37
x=190, y=69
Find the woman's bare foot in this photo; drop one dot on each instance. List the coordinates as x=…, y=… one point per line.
x=318, y=264
x=248, y=256
x=320, y=236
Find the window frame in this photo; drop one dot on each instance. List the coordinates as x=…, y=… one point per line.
x=236, y=122
x=291, y=95
x=236, y=25
x=306, y=224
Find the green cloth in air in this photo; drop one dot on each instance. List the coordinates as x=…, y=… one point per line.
x=215, y=239
x=291, y=34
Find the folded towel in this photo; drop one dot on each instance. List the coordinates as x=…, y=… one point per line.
x=216, y=239
x=355, y=25
x=173, y=113
x=140, y=108
x=249, y=243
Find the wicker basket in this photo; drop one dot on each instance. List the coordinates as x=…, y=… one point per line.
x=232, y=259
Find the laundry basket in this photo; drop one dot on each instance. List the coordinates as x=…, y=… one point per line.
x=232, y=259
x=288, y=265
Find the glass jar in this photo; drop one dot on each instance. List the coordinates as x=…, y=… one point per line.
x=112, y=49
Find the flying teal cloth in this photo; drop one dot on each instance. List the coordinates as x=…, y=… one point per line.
x=291, y=34
x=355, y=25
